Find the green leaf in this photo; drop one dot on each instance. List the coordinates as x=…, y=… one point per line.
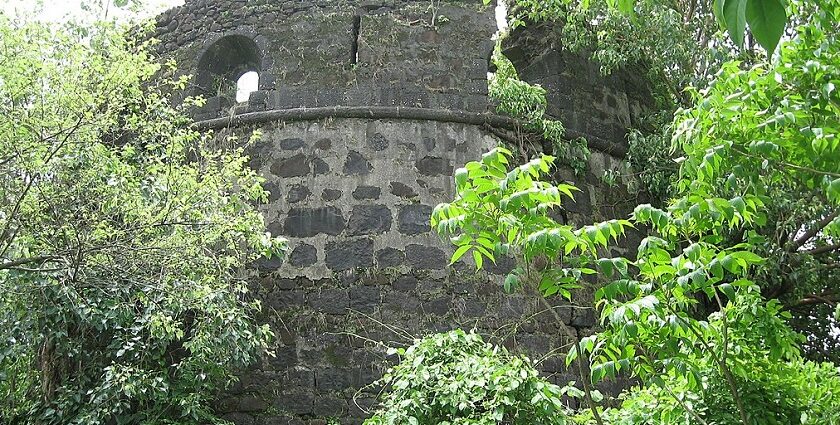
x=478, y=260
x=767, y=19
x=734, y=16
x=459, y=253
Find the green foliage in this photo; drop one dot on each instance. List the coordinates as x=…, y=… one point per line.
x=688, y=315
x=498, y=210
x=527, y=103
x=457, y=378
x=123, y=236
x=772, y=131
x=651, y=157
x=521, y=100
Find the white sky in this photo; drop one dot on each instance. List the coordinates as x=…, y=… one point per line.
x=61, y=10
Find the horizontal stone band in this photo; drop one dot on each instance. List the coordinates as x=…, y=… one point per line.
x=394, y=112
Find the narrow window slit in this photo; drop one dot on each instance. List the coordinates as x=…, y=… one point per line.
x=354, y=47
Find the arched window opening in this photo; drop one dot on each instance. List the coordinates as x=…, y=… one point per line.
x=247, y=83
x=229, y=69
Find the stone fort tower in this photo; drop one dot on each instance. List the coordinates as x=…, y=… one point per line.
x=366, y=107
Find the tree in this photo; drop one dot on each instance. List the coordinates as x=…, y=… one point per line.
x=123, y=235
x=691, y=316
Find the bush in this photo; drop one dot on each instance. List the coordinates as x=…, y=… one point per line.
x=457, y=378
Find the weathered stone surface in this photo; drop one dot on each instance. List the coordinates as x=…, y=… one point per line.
x=303, y=255
x=330, y=301
x=329, y=407
x=402, y=190
x=366, y=193
x=306, y=222
x=389, y=257
x=434, y=166
x=414, y=219
x=439, y=306
x=280, y=300
x=378, y=142
x=330, y=194
x=405, y=283
x=274, y=192
x=583, y=318
x=369, y=219
x=425, y=257
x=291, y=144
x=297, y=402
x=295, y=166
x=297, y=193
x=252, y=403
x=323, y=144
x=349, y=253
x=319, y=166
x=365, y=298
x=239, y=418
x=356, y=164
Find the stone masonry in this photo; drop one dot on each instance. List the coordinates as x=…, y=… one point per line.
x=366, y=107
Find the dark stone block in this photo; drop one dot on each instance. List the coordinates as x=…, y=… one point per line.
x=405, y=283
x=295, y=166
x=503, y=265
x=323, y=144
x=332, y=379
x=347, y=254
x=377, y=142
x=434, y=166
x=389, y=257
x=583, y=318
x=285, y=357
x=401, y=302
x=473, y=308
x=366, y=192
x=439, y=306
x=425, y=257
x=297, y=193
x=329, y=407
x=252, y=403
x=330, y=301
x=330, y=194
x=414, y=219
x=239, y=418
x=298, y=377
x=283, y=299
x=274, y=192
x=304, y=255
x=402, y=190
x=429, y=143
x=369, y=219
x=320, y=167
x=291, y=144
x=299, y=403
x=364, y=298
x=269, y=264
x=306, y=222
x=356, y=164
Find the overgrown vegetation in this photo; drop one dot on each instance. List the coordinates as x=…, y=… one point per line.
x=122, y=236
x=702, y=315
x=456, y=378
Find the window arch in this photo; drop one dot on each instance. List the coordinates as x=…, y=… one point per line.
x=229, y=67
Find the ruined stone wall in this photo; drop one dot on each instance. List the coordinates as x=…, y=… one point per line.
x=353, y=190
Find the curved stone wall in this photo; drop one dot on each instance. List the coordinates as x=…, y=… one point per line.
x=366, y=108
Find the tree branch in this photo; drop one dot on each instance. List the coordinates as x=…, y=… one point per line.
x=802, y=240
x=24, y=261
x=823, y=249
